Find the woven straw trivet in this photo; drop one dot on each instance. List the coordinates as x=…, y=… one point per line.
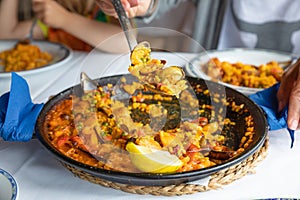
x=216, y=181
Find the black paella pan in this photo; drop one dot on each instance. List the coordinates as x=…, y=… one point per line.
x=150, y=179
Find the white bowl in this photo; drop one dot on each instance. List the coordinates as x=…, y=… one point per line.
x=8, y=186
x=61, y=55
x=244, y=55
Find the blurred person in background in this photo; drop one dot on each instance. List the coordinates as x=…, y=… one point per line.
x=79, y=24
x=220, y=24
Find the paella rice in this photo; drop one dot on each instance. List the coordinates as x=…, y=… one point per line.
x=94, y=129
x=24, y=57
x=245, y=75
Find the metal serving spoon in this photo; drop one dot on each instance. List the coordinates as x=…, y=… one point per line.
x=125, y=24
x=87, y=83
x=131, y=39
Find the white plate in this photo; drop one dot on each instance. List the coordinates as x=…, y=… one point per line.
x=8, y=186
x=61, y=55
x=244, y=55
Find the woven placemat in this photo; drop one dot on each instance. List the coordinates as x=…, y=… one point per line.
x=216, y=181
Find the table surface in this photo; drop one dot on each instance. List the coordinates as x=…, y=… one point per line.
x=40, y=176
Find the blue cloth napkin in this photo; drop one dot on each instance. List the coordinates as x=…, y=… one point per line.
x=17, y=112
x=267, y=100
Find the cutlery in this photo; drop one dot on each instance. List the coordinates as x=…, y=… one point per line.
x=131, y=39
x=87, y=83
x=28, y=39
x=125, y=24
x=286, y=64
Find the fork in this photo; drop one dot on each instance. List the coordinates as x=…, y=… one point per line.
x=286, y=64
x=29, y=38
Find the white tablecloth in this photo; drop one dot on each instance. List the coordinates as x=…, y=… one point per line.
x=40, y=176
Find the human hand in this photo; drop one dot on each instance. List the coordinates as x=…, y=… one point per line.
x=133, y=8
x=50, y=12
x=289, y=94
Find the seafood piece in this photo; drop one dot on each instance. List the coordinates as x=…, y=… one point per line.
x=151, y=72
x=140, y=54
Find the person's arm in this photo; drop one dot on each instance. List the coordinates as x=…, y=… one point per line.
x=90, y=31
x=289, y=94
x=11, y=28
x=104, y=36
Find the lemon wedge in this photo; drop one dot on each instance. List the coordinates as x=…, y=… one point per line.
x=153, y=160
